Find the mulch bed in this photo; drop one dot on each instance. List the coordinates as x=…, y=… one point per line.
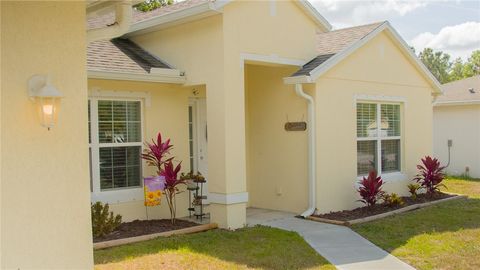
x=144, y=227
x=362, y=212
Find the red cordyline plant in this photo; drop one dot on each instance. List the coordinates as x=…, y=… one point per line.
x=431, y=175
x=171, y=186
x=155, y=152
x=371, y=188
x=156, y=155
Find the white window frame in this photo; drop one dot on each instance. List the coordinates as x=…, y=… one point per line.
x=115, y=195
x=379, y=101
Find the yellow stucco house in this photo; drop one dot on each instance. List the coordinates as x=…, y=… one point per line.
x=221, y=79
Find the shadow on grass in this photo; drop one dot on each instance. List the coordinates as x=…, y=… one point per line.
x=257, y=247
x=452, y=216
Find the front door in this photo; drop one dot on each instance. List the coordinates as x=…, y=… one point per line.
x=199, y=139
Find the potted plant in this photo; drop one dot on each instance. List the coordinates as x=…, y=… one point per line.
x=197, y=206
x=192, y=179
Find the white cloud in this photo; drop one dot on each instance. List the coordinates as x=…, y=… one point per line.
x=346, y=13
x=457, y=40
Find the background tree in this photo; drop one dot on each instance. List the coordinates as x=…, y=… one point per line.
x=438, y=63
x=446, y=71
x=472, y=66
x=456, y=72
x=149, y=5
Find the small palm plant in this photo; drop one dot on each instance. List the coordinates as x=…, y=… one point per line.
x=371, y=188
x=430, y=175
x=171, y=186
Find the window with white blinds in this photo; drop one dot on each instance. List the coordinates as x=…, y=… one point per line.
x=378, y=145
x=116, y=143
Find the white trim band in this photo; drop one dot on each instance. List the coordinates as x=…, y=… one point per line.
x=457, y=102
x=152, y=77
x=271, y=59
x=232, y=198
x=380, y=98
x=103, y=93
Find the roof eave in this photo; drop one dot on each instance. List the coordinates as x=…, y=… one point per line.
x=159, y=76
x=177, y=17
x=297, y=79
x=456, y=103
x=313, y=13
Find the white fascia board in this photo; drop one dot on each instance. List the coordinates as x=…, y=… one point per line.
x=160, y=78
x=219, y=4
x=270, y=59
x=174, y=18
x=314, y=14
x=455, y=103
x=297, y=79
x=165, y=72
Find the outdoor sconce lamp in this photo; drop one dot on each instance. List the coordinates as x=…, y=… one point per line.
x=47, y=98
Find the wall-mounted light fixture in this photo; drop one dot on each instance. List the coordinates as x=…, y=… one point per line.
x=47, y=97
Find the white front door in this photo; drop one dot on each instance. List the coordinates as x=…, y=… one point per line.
x=199, y=135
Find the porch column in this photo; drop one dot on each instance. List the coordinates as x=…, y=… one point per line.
x=226, y=148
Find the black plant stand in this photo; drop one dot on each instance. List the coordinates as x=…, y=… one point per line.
x=196, y=193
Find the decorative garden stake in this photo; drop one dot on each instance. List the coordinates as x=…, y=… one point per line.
x=154, y=187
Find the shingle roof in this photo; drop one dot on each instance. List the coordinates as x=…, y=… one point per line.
x=459, y=91
x=331, y=43
x=121, y=55
x=138, y=16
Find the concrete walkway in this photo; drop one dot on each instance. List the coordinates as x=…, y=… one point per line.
x=338, y=244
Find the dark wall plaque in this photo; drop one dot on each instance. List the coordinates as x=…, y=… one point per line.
x=296, y=126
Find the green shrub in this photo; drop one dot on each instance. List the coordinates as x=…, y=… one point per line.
x=413, y=188
x=103, y=221
x=393, y=200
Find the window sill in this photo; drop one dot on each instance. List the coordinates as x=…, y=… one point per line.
x=119, y=195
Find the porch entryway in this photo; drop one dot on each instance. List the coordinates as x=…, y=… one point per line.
x=277, y=171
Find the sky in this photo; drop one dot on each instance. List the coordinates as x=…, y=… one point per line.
x=451, y=26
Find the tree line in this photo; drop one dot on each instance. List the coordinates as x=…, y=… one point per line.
x=446, y=70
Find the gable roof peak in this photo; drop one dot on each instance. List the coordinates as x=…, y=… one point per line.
x=348, y=40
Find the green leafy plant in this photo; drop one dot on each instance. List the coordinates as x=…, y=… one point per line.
x=413, y=188
x=103, y=220
x=393, y=200
x=430, y=175
x=370, y=188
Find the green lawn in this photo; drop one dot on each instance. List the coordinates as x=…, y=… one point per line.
x=445, y=236
x=248, y=248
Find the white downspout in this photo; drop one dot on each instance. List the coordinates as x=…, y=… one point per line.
x=311, y=151
x=123, y=20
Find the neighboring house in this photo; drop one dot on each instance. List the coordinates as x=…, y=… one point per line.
x=456, y=121
x=246, y=68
